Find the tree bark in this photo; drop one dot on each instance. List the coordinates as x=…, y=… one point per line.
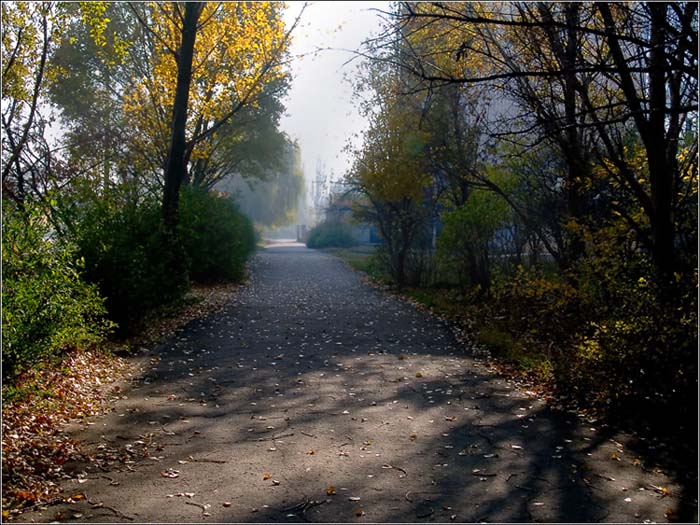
x=176, y=167
x=661, y=168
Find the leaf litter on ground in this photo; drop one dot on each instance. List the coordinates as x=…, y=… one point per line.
x=39, y=404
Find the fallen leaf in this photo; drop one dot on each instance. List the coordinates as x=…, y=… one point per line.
x=266, y=476
x=419, y=374
x=614, y=457
x=359, y=512
x=413, y=437
x=170, y=473
x=311, y=452
x=24, y=495
x=226, y=504
x=330, y=491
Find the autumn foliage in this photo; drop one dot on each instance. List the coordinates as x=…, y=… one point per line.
x=86, y=253
x=552, y=189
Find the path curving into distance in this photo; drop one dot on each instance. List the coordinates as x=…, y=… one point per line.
x=314, y=397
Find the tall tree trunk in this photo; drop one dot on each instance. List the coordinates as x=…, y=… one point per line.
x=577, y=169
x=661, y=171
x=176, y=167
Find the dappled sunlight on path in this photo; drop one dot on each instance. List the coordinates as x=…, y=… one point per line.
x=314, y=397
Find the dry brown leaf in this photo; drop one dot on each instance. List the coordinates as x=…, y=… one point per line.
x=330, y=491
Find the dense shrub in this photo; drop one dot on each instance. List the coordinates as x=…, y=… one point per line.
x=217, y=237
x=330, y=234
x=639, y=353
x=614, y=342
x=46, y=306
x=127, y=253
x=466, y=242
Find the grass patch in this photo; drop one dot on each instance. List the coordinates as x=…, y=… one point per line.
x=363, y=259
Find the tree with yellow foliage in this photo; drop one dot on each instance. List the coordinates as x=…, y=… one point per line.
x=237, y=49
x=390, y=169
x=588, y=76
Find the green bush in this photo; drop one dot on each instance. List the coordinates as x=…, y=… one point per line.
x=218, y=239
x=330, y=234
x=46, y=306
x=465, y=242
x=128, y=254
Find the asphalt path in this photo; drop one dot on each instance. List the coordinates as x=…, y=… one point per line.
x=314, y=397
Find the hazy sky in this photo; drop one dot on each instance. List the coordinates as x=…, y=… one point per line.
x=320, y=112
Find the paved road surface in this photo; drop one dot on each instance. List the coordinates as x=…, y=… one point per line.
x=314, y=397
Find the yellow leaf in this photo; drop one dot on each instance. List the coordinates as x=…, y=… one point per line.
x=419, y=374
x=330, y=491
x=266, y=476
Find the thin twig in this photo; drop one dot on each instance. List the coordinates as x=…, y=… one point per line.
x=195, y=504
x=100, y=505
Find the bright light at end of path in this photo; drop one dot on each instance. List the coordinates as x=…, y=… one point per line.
x=320, y=111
